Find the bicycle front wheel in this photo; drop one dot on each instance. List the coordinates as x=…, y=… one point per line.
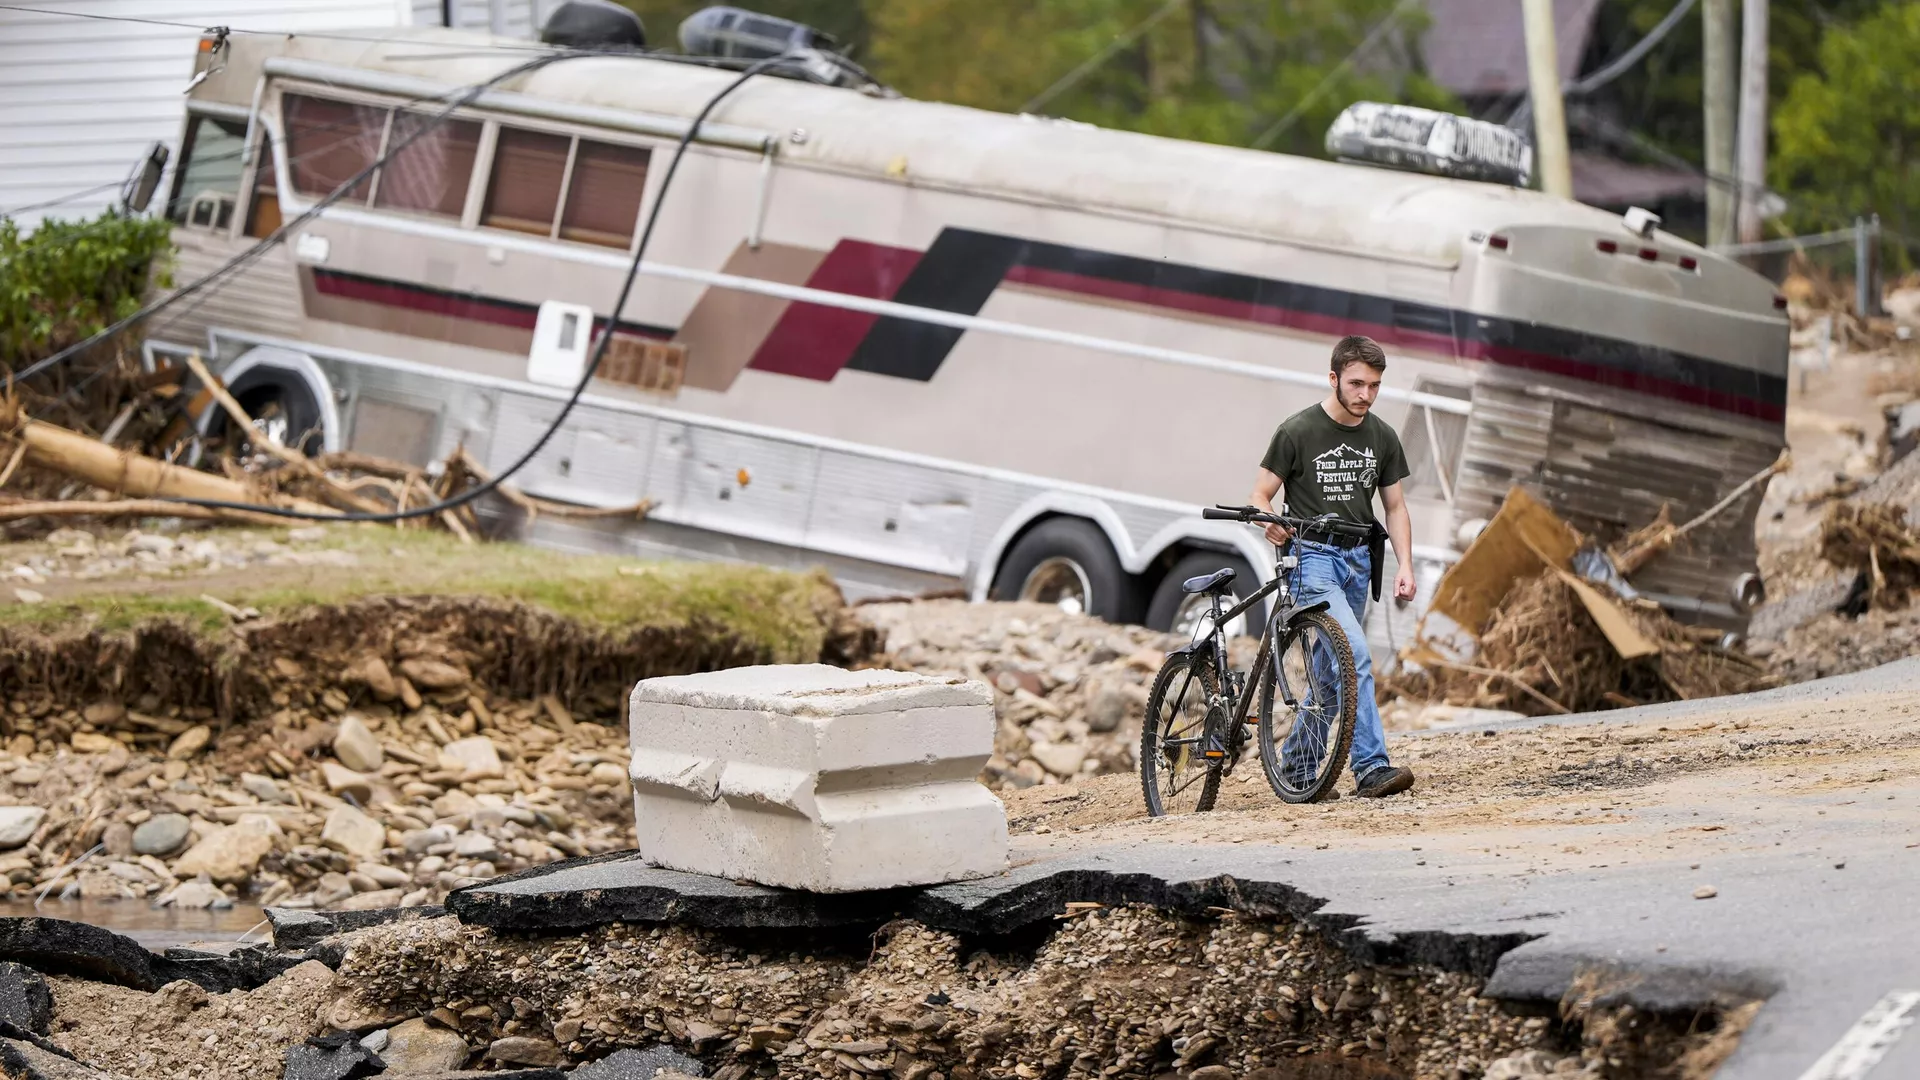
x=1303, y=745
x=1175, y=775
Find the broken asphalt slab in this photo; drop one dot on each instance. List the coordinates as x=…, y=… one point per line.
x=59, y=947
x=1812, y=912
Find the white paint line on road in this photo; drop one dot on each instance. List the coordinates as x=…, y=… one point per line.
x=1869, y=1039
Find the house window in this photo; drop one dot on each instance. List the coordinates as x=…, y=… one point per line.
x=430, y=174
x=529, y=169
x=207, y=183
x=328, y=142
x=603, y=198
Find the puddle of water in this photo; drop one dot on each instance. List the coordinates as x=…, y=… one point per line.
x=155, y=928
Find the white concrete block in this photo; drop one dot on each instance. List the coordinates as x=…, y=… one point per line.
x=811, y=777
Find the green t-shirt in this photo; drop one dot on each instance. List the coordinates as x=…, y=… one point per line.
x=1329, y=468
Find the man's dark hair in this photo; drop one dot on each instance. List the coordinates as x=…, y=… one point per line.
x=1357, y=349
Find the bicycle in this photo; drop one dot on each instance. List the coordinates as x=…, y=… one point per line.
x=1304, y=656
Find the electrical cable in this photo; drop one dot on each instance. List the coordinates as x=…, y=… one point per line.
x=586, y=376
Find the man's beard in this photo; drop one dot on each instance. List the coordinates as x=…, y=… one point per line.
x=1341, y=397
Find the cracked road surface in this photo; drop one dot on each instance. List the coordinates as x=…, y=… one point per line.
x=1798, y=809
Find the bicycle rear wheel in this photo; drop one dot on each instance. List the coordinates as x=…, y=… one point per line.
x=1304, y=746
x=1174, y=775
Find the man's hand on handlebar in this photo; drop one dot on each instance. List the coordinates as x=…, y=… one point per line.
x=1278, y=534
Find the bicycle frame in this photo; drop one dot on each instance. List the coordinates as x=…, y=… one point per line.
x=1283, y=610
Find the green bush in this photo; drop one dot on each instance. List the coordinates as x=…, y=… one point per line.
x=67, y=280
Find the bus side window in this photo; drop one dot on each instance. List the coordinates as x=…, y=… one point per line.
x=603, y=198
x=428, y=176
x=328, y=142
x=529, y=170
x=207, y=183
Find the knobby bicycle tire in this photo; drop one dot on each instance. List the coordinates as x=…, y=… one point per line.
x=1349, y=693
x=1172, y=672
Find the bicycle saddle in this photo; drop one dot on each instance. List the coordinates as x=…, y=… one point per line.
x=1216, y=581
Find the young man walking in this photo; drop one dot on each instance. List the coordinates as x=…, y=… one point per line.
x=1330, y=458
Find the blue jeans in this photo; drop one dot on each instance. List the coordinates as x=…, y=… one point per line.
x=1343, y=578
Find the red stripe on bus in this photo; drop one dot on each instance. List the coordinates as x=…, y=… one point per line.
x=813, y=341
x=1334, y=326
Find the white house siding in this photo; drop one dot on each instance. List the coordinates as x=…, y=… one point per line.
x=82, y=99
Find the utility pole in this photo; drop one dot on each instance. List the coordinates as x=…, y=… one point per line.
x=1549, y=114
x=1753, y=116
x=1717, y=76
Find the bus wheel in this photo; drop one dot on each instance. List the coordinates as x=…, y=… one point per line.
x=1176, y=612
x=1066, y=562
x=283, y=409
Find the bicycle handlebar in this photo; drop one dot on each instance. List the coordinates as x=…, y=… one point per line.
x=1325, y=523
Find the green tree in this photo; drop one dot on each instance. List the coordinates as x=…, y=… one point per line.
x=1847, y=137
x=1215, y=70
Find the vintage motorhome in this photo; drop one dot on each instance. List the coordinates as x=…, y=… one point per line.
x=931, y=346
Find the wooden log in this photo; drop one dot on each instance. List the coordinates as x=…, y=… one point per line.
x=91, y=461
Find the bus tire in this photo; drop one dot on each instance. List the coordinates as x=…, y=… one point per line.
x=1066, y=561
x=1173, y=611
x=283, y=402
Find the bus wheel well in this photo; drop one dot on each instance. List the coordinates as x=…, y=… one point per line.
x=1067, y=559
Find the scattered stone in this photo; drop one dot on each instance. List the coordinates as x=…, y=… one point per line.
x=195, y=895
x=90, y=742
x=346, y=783
x=433, y=674
x=1061, y=759
x=1705, y=892
x=117, y=838
x=373, y=901
x=104, y=713
x=1107, y=707
x=379, y=678
x=18, y=824
x=356, y=746
x=228, y=856
x=474, y=758
x=332, y=1057
x=264, y=788
x=388, y=877
x=522, y=1050
x=607, y=774
x=474, y=845
x=353, y=833
x=639, y=1065
x=190, y=742
x=161, y=834
x=29, y=596
x=1211, y=1072
x=416, y=1047
x=455, y=803
x=25, y=999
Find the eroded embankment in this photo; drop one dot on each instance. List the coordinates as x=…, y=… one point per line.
x=1100, y=991
x=439, y=644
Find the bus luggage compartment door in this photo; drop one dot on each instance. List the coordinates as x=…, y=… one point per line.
x=598, y=458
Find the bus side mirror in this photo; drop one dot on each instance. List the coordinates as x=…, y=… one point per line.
x=146, y=179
